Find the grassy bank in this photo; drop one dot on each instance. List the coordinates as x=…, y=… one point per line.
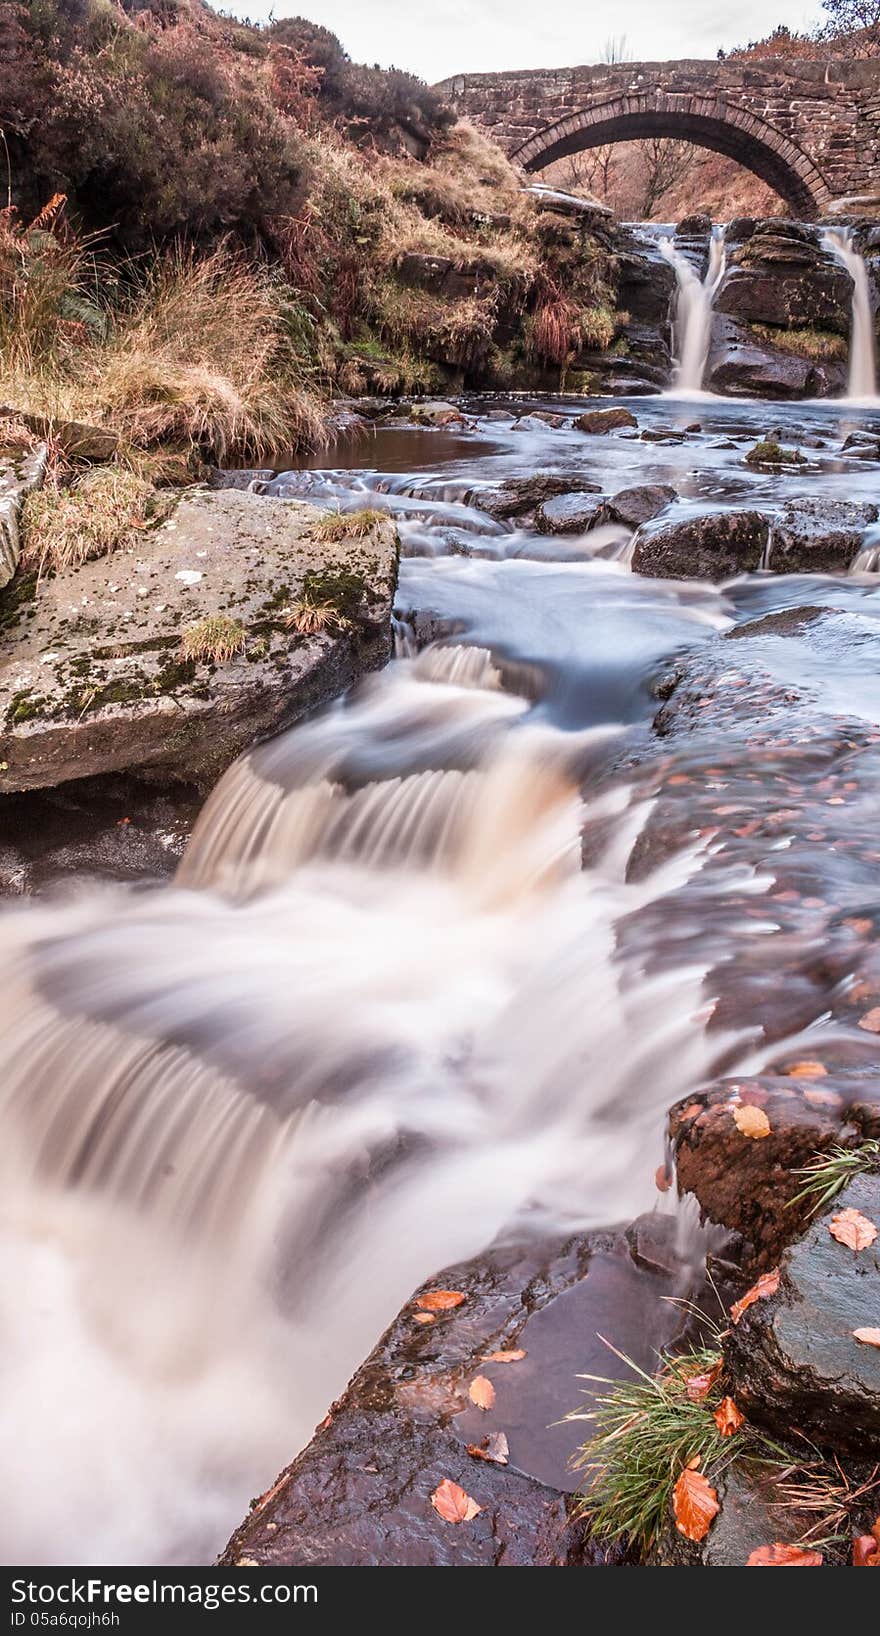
x=244, y=223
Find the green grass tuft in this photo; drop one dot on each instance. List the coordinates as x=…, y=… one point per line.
x=214, y=639
x=348, y=525
x=826, y=1174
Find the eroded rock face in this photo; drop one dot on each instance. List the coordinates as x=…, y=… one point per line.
x=92, y=679
x=781, y=276
x=708, y=545
x=360, y=1494
x=20, y=473
x=794, y=1355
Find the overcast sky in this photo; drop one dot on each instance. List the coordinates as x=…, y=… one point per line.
x=446, y=37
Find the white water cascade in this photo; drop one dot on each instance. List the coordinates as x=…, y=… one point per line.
x=862, y=381
x=692, y=325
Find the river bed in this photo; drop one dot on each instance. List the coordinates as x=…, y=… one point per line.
x=426, y=977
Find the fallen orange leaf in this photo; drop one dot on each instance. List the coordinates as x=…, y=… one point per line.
x=494, y=1448
x=453, y=1504
x=751, y=1121
x=727, y=1417
x=505, y=1357
x=784, y=1556
x=699, y=1386
x=806, y=1070
x=767, y=1284
x=440, y=1300
x=481, y=1392
x=823, y=1099
x=866, y=1552
x=853, y=1229
x=423, y=1317
x=694, y=1504
x=868, y=1337
x=871, y=1020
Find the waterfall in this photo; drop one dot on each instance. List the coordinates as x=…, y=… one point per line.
x=862, y=382
x=692, y=325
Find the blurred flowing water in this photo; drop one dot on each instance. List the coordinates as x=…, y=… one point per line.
x=386, y=1011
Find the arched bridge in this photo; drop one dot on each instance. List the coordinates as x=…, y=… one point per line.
x=809, y=129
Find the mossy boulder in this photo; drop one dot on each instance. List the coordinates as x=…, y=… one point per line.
x=96, y=675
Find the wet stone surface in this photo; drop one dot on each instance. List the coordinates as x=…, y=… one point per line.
x=359, y=1494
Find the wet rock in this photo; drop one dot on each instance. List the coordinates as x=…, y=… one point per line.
x=635, y=506
x=753, y=1513
x=768, y=451
x=115, y=828
x=794, y=1356
x=747, y=1185
x=599, y=421
x=359, y=1494
x=249, y=478
x=566, y=514
x=539, y=420
x=740, y=229
x=21, y=471
x=787, y=280
x=711, y=545
x=520, y=496
x=739, y=365
x=435, y=413
x=817, y=536
x=92, y=678
x=691, y=227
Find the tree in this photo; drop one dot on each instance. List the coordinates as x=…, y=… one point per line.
x=666, y=162
x=589, y=171
x=855, y=22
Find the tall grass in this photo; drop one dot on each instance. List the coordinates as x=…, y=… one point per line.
x=194, y=352
x=203, y=356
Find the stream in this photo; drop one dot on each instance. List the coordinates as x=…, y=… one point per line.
x=423, y=979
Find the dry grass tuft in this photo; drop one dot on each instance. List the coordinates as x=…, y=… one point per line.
x=214, y=639
x=310, y=618
x=348, y=525
x=104, y=510
x=202, y=359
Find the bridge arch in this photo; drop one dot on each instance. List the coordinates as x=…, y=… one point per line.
x=707, y=121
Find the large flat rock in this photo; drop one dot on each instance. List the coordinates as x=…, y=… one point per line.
x=360, y=1494
x=92, y=679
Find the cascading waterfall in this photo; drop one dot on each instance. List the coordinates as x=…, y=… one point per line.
x=862, y=382
x=692, y=326
x=380, y=1017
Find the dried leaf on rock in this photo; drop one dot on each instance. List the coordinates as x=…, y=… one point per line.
x=493, y=1448
x=728, y=1418
x=481, y=1392
x=699, y=1386
x=868, y=1337
x=453, y=1504
x=806, y=1070
x=784, y=1556
x=751, y=1121
x=871, y=1020
x=505, y=1357
x=440, y=1300
x=694, y=1503
x=853, y=1229
x=767, y=1284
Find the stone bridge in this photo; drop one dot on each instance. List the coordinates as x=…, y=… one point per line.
x=809, y=129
